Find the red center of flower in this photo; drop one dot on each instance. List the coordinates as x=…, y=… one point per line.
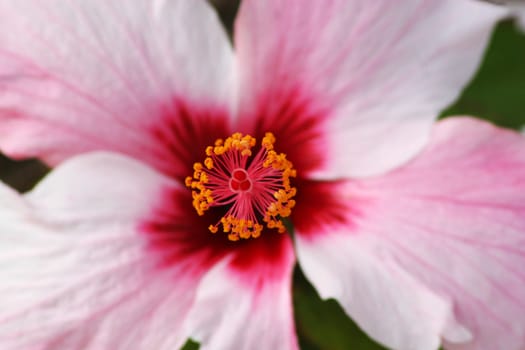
x=240, y=181
x=254, y=188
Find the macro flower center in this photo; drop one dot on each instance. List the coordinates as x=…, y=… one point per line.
x=240, y=181
x=252, y=184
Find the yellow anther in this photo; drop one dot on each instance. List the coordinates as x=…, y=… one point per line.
x=268, y=141
x=283, y=205
x=208, y=162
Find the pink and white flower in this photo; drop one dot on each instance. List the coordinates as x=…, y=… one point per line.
x=331, y=100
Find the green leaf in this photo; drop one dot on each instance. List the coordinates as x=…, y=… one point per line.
x=497, y=93
x=190, y=345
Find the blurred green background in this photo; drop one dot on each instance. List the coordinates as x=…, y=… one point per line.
x=497, y=93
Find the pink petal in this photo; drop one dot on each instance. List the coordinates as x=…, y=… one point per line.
x=434, y=249
x=252, y=310
x=244, y=299
x=367, y=78
x=78, y=76
x=74, y=271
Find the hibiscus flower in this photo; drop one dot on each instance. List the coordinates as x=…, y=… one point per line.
x=205, y=161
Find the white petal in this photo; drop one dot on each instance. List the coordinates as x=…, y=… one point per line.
x=434, y=249
x=74, y=269
x=100, y=75
x=367, y=78
x=384, y=300
x=251, y=310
